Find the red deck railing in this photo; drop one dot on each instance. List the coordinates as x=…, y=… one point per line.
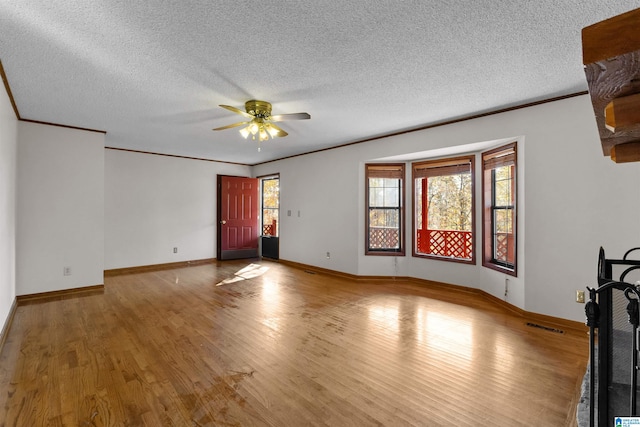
x=270, y=229
x=446, y=243
x=383, y=238
x=505, y=249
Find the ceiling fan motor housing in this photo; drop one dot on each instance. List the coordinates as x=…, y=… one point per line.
x=261, y=109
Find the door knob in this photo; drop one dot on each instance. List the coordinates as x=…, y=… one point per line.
x=223, y=222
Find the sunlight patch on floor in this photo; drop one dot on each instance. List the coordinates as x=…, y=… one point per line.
x=249, y=272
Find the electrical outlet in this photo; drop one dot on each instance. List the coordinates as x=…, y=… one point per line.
x=328, y=255
x=580, y=297
x=175, y=250
x=66, y=271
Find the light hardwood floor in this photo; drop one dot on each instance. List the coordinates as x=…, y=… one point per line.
x=194, y=347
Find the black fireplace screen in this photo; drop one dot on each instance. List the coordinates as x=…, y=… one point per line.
x=613, y=311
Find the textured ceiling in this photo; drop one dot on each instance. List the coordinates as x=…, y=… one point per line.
x=152, y=73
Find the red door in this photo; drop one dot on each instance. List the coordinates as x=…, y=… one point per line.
x=238, y=227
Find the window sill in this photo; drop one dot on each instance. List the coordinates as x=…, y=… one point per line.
x=384, y=253
x=471, y=261
x=500, y=268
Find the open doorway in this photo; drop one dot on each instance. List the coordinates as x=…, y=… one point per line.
x=270, y=215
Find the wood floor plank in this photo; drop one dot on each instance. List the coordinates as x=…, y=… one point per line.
x=257, y=343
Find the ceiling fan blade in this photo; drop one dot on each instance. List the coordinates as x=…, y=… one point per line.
x=231, y=126
x=292, y=116
x=237, y=111
x=281, y=132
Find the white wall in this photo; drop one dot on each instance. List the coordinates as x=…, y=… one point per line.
x=572, y=200
x=321, y=191
x=8, y=160
x=154, y=203
x=60, y=208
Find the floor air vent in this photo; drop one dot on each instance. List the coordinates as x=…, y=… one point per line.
x=546, y=328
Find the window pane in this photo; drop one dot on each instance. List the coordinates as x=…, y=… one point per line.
x=270, y=193
x=269, y=215
x=384, y=192
x=384, y=218
x=390, y=182
x=376, y=196
x=376, y=182
x=383, y=228
x=417, y=185
x=503, y=220
x=503, y=186
x=501, y=249
x=449, y=204
x=390, y=197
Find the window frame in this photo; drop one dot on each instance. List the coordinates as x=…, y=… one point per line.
x=449, y=163
x=388, y=170
x=505, y=155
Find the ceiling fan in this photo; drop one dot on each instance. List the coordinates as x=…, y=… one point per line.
x=260, y=123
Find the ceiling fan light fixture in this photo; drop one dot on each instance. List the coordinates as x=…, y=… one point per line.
x=245, y=132
x=264, y=136
x=253, y=127
x=272, y=131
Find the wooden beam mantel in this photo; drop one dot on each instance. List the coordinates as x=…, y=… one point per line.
x=611, y=56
